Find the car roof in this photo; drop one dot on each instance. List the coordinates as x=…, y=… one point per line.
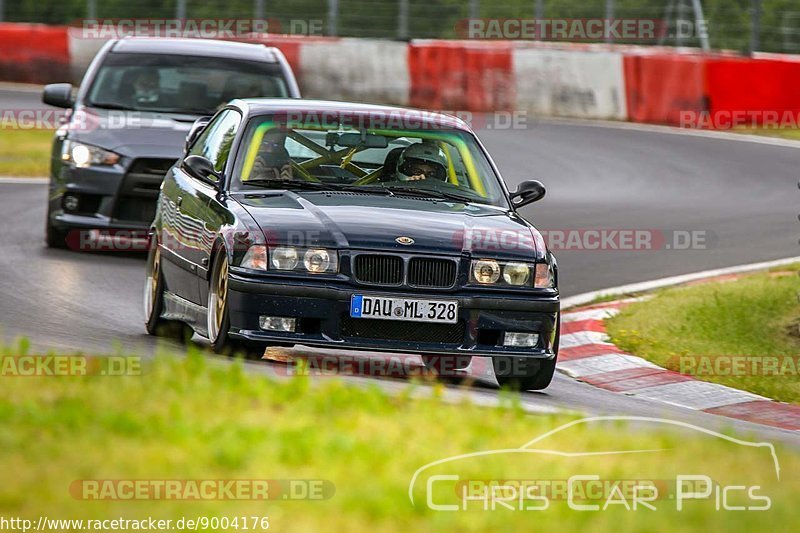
x=389, y=114
x=196, y=47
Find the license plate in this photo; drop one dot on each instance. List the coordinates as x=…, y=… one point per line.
x=410, y=309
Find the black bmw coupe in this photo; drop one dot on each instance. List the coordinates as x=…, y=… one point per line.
x=351, y=226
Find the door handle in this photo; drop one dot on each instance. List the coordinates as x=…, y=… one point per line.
x=179, y=201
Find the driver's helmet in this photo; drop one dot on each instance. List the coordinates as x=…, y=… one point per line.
x=427, y=154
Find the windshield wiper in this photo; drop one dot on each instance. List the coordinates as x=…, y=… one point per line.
x=429, y=193
x=110, y=105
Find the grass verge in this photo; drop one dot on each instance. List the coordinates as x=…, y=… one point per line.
x=792, y=134
x=25, y=152
x=188, y=419
x=694, y=328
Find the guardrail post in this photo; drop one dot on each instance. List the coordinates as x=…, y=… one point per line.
x=333, y=13
x=609, y=17
x=755, y=25
x=474, y=9
x=402, y=19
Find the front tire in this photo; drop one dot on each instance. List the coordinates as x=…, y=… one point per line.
x=219, y=323
x=524, y=374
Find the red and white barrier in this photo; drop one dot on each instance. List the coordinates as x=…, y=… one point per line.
x=570, y=83
x=355, y=69
x=33, y=53
x=640, y=84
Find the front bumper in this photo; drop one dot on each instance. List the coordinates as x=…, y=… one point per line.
x=323, y=317
x=107, y=198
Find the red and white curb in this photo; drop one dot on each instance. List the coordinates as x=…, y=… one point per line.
x=587, y=355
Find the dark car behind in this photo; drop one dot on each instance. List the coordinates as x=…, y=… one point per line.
x=128, y=122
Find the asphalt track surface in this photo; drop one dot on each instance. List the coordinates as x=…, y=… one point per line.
x=743, y=195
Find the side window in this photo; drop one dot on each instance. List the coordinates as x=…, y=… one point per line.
x=216, y=140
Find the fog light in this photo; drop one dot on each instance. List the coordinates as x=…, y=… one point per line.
x=277, y=323
x=70, y=202
x=520, y=340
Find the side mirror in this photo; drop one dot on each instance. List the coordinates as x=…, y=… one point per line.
x=527, y=193
x=201, y=168
x=197, y=128
x=58, y=95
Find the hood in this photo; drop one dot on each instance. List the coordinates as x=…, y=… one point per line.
x=131, y=134
x=373, y=222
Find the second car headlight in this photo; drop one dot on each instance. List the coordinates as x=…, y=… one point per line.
x=85, y=155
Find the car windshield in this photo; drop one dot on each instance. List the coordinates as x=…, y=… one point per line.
x=438, y=162
x=180, y=84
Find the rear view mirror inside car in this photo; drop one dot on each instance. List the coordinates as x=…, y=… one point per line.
x=352, y=140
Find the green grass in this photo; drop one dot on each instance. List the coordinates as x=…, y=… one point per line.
x=783, y=133
x=758, y=315
x=187, y=418
x=25, y=152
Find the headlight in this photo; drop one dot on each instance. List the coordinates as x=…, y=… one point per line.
x=284, y=258
x=317, y=260
x=544, y=276
x=485, y=271
x=516, y=273
x=85, y=155
x=511, y=274
x=289, y=258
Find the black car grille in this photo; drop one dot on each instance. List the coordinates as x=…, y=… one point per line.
x=397, y=330
x=139, y=189
x=431, y=272
x=424, y=272
x=379, y=269
x=151, y=166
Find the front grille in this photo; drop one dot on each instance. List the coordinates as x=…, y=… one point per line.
x=151, y=165
x=431, y=272
x=135, y=209
x=139, y=189
x=379, y=269
x=398, y=330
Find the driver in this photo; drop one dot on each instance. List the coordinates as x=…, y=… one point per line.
x=422, y=161
x=146, y=86
x=273, y=161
